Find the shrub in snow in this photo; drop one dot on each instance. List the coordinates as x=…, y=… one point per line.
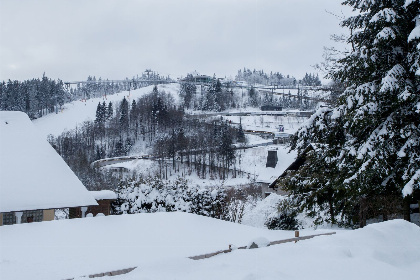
x=285, y=218
x=283, y=221
x=241, y=200
x=156, y=195
x=257, y=214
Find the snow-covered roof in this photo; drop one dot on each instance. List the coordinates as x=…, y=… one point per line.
x=32, y=174
x=104, y=194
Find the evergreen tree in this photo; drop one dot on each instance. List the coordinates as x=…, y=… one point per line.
x=119, y=148
x=133, y=111
x=109, y=111
x=187, y=92
x=220, y=99
x=100, y=113
x=240, y=134
x=226, y=147
x=253, y=97
x=124, y=120
x=371, y=139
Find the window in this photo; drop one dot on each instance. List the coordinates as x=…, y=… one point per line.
x=32, y=216
x=9, y=218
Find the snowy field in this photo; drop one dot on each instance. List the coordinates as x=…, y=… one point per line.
x=159, y=246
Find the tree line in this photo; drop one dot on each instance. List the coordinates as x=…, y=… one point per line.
x=219, y=97
x=263, y=78
x=260, y=77
x=213, y=97
x=38, y=97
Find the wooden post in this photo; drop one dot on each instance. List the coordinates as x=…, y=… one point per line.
x=296, y=233
x=406, y=207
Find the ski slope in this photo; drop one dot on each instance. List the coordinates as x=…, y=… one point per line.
x=77, y=112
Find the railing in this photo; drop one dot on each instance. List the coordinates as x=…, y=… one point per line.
x=295, y=239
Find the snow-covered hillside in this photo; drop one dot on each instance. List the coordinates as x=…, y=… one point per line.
x=159, y=246
x=77, y=112
x=252, y=161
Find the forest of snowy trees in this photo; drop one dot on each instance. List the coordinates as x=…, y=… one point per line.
x=38, y=97
x=260, y=77
x=155, y=122
x=217, y=97
x=263, y=78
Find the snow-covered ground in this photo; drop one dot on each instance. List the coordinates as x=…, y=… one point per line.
x=159, y=245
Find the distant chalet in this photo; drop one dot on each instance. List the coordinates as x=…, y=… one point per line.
x=34, y=179
x=198, y=79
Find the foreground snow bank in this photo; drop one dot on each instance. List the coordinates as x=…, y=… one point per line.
x=159, y=246
x=388, y=250
x=70, y=248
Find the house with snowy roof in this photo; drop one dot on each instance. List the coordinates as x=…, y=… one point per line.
x=291, y=169
x=34, y=179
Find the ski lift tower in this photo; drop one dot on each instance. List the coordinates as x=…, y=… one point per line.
x=148, y=72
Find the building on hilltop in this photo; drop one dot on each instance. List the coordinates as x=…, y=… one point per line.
x=198, y=79
x=34, y=179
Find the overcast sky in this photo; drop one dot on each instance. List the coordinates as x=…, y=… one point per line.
x=72, y=39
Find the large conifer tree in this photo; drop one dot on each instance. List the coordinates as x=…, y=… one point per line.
x=370, y=153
